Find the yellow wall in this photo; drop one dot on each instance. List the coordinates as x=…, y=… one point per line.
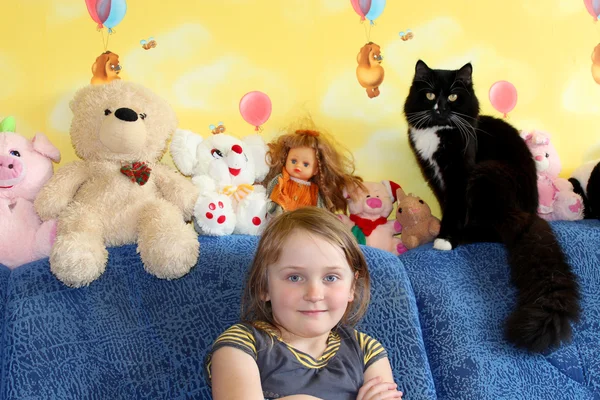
x=302, y=54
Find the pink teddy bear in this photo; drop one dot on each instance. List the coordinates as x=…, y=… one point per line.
x=556, y=196
x=25, y=166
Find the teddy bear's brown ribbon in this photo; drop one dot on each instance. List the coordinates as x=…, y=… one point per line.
x=138, y=172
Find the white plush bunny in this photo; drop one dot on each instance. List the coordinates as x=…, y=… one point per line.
x=226, y=170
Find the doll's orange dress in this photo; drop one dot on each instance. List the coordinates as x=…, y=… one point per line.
x=292, y=193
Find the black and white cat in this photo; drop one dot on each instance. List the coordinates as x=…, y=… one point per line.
x=484, y=178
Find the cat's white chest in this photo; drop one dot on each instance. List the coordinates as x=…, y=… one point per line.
x=427, y=143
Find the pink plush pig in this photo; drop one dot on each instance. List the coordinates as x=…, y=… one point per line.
x=25, y=166
x=369, y=211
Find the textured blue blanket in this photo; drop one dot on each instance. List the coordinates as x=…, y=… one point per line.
x=463, y=298
x=440, y=315
x=129, y=335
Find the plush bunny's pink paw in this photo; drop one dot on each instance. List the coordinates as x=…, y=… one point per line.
x=401, y=248
x=576, y=207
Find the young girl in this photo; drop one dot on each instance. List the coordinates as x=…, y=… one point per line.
x=306, y=169
x=308, y=285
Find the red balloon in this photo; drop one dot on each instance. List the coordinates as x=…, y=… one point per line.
x=255, y=108
x=503, y=96
x=91, y=6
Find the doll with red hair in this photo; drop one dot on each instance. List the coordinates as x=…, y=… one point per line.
x=307, y=168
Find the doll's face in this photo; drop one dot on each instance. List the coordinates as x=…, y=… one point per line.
x=301, y=163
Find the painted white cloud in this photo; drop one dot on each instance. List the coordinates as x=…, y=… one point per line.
x=526, y=124
x=581, y=94
x=60, y=117
x=592, y=153
x=11, y=77
x=345, y=98
x=158, y=67
x=198, y=88
x=62, y=11
x=435, y=36
x=553, y=8
x=384, y=152
x=490, y=67
x=334, y=6
x=297, y=11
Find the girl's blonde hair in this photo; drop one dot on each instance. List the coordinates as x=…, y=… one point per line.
x=335, y=164
x=313, y=221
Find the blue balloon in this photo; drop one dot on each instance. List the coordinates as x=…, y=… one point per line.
x=118, y=8
x=375, y=11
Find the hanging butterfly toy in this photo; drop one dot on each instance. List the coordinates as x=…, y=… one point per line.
x=148, y=44
x=220, y=128
x=406, y=35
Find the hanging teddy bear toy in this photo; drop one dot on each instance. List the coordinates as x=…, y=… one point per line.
x=306, y=169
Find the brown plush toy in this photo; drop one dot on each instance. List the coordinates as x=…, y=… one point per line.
x=414, y=220
x=118, y=193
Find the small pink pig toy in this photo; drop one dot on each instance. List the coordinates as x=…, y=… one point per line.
x=25, y=166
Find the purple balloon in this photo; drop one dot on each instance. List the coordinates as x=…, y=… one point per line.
x=596, y=7
x=365, y=6
x=103, y=9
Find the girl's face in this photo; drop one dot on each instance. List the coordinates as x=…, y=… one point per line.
x=309, y=287
x=301, y=163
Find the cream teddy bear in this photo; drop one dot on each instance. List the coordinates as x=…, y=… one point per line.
x=225, y=169
x=118, y=193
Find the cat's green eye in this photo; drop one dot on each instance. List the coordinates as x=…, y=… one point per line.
x=453, y=97
x=430, y=96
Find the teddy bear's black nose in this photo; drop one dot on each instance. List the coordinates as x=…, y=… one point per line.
x=126, y=114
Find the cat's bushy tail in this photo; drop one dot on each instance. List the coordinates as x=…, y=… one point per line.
x=548, y=293
x=505, y=199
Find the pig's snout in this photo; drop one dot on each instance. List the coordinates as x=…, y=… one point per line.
x=11, y=170
x=374, y=202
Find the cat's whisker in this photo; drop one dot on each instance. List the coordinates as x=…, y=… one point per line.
x=464, y=115
x=463, y=133
x=421, y=122
x=416, y=117
x=470, y=131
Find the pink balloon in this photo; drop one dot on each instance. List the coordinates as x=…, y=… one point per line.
x=591, y=9
x=361, y=7
x=255, y=108
x=91, y=6
x=503, y=96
